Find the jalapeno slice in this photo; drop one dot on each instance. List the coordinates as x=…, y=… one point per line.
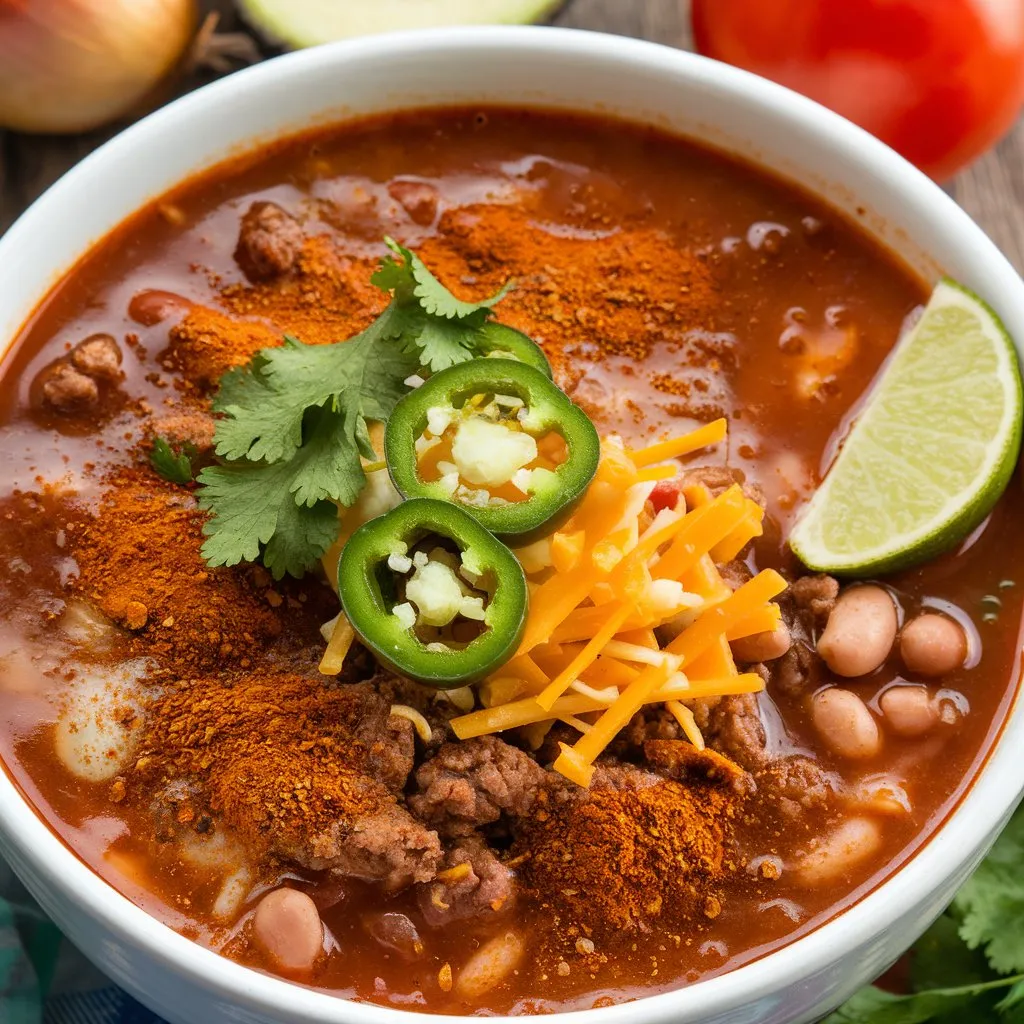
x=496, y=438
x=499, y=341
x=432, y=593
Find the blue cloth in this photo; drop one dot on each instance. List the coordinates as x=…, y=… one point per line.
x=44, y=979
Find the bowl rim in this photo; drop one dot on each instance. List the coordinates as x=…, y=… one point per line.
x=982, y=808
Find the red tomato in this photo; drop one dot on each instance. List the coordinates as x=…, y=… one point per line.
x=939, y=80
x=665, y=494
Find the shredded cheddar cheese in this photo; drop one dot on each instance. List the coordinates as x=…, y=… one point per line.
x=419, y=723
x=340, y=639
x=606, y=581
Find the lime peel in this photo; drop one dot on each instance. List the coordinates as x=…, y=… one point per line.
x=932, y=450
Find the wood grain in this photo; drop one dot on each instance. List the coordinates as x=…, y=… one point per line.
x=992, y=191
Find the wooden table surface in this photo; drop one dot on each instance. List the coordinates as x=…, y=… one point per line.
x=992, y=191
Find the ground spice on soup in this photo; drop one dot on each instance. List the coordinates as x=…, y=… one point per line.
x=279, y=758
x=638, y=850
x=206, y=343
x=327, y=297
x=653, y=292
x=139, y=562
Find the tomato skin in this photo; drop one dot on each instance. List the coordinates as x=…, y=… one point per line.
x=665, y=494
x=938, y=80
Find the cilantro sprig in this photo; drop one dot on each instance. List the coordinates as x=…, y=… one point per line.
x=440, y=328
x=172, y=460
x=969, y=966
x=293, y=426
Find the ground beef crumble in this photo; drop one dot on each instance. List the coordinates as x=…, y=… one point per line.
x=668, y=840
x=269, y=240
x=806, y=606
x=473, y=783
x=473, y=882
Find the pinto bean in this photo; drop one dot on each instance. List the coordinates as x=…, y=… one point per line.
x=763, y=646
x=835, y=856
x=153, y=305
x=845, y=724
x=490, y=965
x=287, y=925
x=933, y=645
x=860, y=632
x=908, y=710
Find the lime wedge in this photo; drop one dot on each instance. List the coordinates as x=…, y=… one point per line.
x=932, y=450
x=299, y=23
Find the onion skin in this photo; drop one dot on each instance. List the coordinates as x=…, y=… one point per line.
x=74, y=65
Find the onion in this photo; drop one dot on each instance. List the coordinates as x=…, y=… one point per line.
x=72, y=65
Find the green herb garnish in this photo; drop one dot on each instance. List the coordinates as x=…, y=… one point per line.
x=172, y=461
x=441, y=328
x=969, y=966
x=294, y=420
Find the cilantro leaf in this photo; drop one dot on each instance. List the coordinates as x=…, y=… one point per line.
x=256, y=513
x=328, y=466
x=286, y=511
x=443, y=343
x=941, y=960
x=872, y=1005
x=174, y=466
x=438, y=301
x=258, y=423
x=433, y=296
x=442, y=328
x=991, y=902
x=395, y=276
x=264, y=403
x=294, y=428
x=301, y=538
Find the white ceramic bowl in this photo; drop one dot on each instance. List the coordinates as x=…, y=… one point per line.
x=545, y=68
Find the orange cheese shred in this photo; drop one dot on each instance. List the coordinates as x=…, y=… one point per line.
x=717, y=660
x=524, y=667
x=567, y=550
x=654, y=473
x=747, y=530
x=592, y=653
x=586, y=657
x=716, y=621
x=609, y=672
x=706, y=526
x=342, y=638
x=702, y=437
x=684, y=716
x=764, y=620
x=691, y=643
x=640, y=637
